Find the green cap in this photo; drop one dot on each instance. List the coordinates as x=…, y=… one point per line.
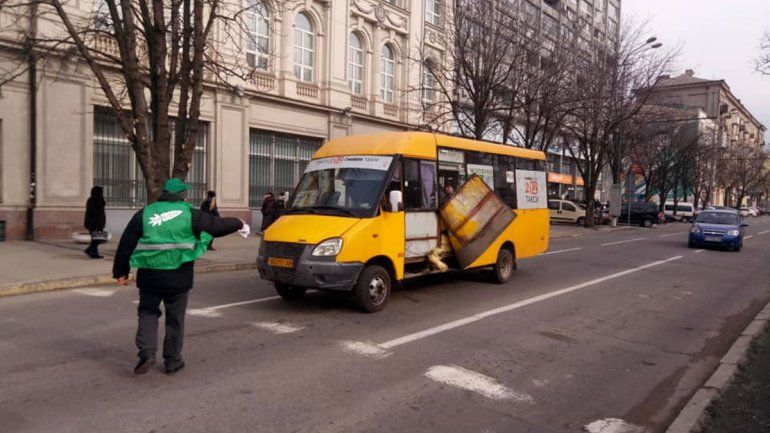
x=175, y=186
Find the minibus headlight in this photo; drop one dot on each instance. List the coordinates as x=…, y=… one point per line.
x=329, y=247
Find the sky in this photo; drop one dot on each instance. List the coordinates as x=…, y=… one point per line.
x=719, y=40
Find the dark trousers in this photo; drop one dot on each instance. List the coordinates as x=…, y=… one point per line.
x=147, y=334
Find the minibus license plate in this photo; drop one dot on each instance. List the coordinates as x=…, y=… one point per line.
x=281, y=263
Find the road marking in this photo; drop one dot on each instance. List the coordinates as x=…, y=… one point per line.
x=476, y=382
x=748, y=237
x=277, y=328
x=673, y=234
x=561, y=251
x=698, y=251
x=763, y=232
x=611, y=425
x=214, y=311
x=623, y=242
x=365, y=348
x=100, y=293
x=381, y=350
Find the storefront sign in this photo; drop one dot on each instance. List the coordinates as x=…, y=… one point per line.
x=485, y=172
x=531, y=189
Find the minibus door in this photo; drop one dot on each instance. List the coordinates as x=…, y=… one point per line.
x=421, y=207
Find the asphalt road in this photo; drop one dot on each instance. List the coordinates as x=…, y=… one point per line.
x=611, y=330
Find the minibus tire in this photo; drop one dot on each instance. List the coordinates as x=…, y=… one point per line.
x=373, y=278
x=504, y=266
x=290, y=293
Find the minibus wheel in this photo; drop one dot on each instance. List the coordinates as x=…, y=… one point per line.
x=504, y=266
x=372, y=289
x=288, y=292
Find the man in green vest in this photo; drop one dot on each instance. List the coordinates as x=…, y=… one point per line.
x=162, y=241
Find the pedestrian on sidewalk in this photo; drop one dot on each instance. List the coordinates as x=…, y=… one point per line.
x=269, y=211
x=210, y=207
x=162, y=241
x=95, y=220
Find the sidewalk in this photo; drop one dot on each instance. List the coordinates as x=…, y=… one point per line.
x=27, y=267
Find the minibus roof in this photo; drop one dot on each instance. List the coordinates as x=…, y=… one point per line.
x=415, y=144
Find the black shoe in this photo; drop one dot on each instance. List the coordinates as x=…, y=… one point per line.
x=173, y=368
x=97, y=256
x=89, y=253
x=144, y=365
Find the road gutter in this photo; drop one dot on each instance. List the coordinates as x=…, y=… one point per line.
x=690, y=418
x=28, y=287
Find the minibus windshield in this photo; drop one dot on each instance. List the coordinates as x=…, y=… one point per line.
x=347, y=185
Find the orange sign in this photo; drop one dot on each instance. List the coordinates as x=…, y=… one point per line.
x=563, y=179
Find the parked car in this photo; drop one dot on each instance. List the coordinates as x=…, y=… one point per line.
x=717, y=228
x=744, y=212
x=685, y=212
x=566, y=211
x=754, y=212
x=642, y=213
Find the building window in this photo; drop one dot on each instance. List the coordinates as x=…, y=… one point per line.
x=612, y=12
x=355, y=64
x=387, y=74
x=117, y=170
x=276, y=162
x=304, y=48
x=428, y=85
x=258, y=35
x=433, y=11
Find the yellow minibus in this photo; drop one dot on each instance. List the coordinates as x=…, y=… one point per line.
x=365, y=214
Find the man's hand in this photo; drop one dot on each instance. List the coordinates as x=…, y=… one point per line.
x=123, y=281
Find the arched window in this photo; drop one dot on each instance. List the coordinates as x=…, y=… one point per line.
x=258, y=35
x=304, y=48
x=355, y=64
x=387, y=74
x=428, y=84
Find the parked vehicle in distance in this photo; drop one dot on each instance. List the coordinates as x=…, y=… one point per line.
x=566, y=211
x=717, y=228
x=753, y=211
x=642, y=213
x=685, y=211
x=744, y=212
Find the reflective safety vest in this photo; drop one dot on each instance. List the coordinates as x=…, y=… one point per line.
x=168, y=239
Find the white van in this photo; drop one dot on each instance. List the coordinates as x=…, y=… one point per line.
x=685, y=212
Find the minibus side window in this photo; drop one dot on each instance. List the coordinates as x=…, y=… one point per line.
x=505, y=177
x=419, y=184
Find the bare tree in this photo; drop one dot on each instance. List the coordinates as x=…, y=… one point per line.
x=606, y=100
x=762, y=62
x=152, y=60
x=743, y=170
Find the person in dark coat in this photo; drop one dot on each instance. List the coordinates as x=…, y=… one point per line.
x=169, y=284
x=269, y=211
x=209, y=206
x=95, y=219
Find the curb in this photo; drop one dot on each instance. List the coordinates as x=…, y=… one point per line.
x=690, y=418
x=101, y=280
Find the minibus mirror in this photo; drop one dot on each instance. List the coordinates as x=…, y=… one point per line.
x=396, y=201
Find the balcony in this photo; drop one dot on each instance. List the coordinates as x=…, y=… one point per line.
x=263, y=82
x=359, y=103
x=307, y=90
x=390, y=110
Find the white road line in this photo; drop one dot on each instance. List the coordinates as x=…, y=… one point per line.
x=763, y=232
x=381, y=350
x=277, y=328
x=561, y=251
x=623, y=242
x=611, y=425
x=214, y=311
x=100, y=293
x=673, y=234
x=476, y=382
x=748, y=237
x=698, y=251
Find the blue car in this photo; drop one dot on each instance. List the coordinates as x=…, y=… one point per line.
x=719, y=228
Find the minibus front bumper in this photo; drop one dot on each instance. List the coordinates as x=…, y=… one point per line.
x=294, y=264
